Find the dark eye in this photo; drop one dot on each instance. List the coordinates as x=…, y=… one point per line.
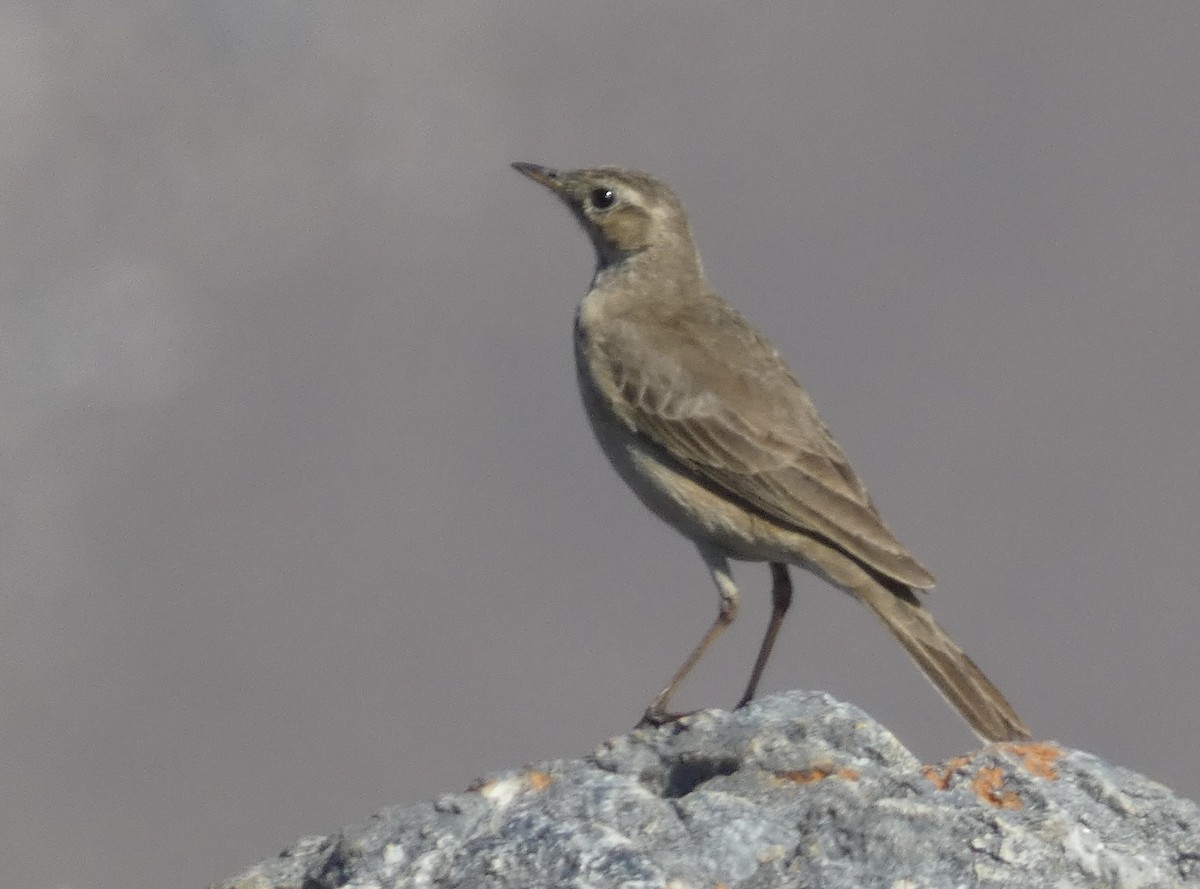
x=603, y=198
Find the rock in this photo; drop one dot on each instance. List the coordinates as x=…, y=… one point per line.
x=798, y=790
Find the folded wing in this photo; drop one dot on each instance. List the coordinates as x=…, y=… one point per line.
x=747, y=429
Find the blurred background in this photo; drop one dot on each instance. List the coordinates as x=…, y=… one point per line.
x=299, y=513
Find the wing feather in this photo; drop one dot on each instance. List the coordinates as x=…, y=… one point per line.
x=728, y=409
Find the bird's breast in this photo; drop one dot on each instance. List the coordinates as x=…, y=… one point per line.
x=667, y=489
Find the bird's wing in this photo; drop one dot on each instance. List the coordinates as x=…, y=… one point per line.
x=727, y=408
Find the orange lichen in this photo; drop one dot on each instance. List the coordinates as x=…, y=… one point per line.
x=987, y=782
x=539, y=781
x=504, y=790
x=1037, y=759
x=988, y=785
x=817, y=773
x=940, y=778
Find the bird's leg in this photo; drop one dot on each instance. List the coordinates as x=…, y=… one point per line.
x=718, y=566
x=781, y=599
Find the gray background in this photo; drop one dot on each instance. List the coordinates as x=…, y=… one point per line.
x=299, y=514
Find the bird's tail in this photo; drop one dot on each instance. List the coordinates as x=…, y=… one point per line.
x=952, y=673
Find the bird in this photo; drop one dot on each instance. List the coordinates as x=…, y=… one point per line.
x=700, y=415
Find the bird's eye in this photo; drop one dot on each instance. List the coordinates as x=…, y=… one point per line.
x=603, y=198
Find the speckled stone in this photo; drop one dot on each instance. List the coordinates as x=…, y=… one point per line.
x=798, y=790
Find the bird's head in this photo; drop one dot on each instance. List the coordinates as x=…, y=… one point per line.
x=624, y=212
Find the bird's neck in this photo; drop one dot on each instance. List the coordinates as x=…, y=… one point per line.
x=668, y=274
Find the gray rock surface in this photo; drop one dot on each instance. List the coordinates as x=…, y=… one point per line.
x=798, y=790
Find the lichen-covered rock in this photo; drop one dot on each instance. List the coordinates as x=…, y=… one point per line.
x=797, y=790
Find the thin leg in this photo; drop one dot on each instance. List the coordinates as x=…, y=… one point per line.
x=781, y=600
x=718, y=567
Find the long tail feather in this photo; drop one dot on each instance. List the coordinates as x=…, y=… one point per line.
x=952, y=673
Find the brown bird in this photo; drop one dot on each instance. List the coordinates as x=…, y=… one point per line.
x=703, y=419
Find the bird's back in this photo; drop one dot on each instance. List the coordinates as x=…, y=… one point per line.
x=689, y=375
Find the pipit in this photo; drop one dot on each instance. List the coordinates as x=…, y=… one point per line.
x=699, y=415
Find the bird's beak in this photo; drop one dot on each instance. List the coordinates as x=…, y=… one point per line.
x=544, y=175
